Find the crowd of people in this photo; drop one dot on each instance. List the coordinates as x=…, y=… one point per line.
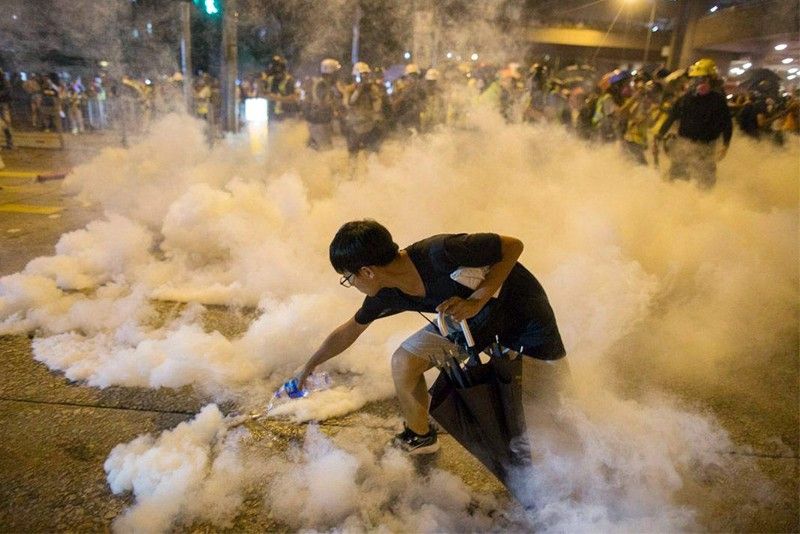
x=645, y=111
x=684, y=112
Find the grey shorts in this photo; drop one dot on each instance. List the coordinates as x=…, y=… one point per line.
x=541, y=379
x=428, y=342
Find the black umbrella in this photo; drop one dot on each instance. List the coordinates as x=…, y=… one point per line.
x=765, y=80
x=480, y=405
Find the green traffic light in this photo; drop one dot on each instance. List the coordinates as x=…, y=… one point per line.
x=211, y=7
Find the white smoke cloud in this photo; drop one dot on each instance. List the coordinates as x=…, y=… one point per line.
x=193, y=471
x=648, y=278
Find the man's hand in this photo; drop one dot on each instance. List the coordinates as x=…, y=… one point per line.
x=460, y=309
x=301, y=376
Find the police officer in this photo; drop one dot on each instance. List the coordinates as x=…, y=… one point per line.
x=703, y=117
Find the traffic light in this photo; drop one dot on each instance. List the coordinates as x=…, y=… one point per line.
x=211, y=7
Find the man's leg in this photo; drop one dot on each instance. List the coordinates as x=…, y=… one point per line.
x=704, y=165
x=679, y=155
x=412, y=392
x=409, y=362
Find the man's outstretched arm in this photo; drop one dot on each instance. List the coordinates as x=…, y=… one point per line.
x=337, y=342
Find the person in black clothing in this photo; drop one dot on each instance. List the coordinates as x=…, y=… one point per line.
x=752, y=114
x=474, y=277
x=5, y=109
x=704, y=116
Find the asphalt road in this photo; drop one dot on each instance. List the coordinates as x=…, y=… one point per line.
x=57, y=433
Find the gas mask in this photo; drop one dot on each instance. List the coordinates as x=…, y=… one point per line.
x=703, y=86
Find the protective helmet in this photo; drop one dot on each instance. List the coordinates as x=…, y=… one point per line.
x=412, y=68
x=703, y=67
x=620, y=76
x=432, y=75
x=329, y=66
x=605, y=81
x=653, y=87
x=508, y=74
x=277, y=64
x=360, y=68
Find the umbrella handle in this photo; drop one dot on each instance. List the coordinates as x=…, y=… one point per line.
x=442, y=324
x=467, y=333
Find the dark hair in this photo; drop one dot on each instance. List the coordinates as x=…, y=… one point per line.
x=361, y=243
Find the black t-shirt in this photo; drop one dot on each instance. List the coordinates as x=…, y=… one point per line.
x=702, y=117
x=521, y=316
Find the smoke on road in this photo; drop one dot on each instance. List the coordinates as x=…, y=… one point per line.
x=650, y=281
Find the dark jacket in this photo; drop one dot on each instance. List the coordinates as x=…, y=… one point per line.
x=702, y=118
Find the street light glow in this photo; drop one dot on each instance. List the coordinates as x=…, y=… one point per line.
x=747, y=65
x=714, y=8
x=407, y=55
x=474, y=56
x=781, y=46
x=793, y=70
x=787, y=60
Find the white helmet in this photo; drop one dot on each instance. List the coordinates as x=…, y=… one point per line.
x=329, y=66
x=412, y=68
x=432, y=74
x=360, y=68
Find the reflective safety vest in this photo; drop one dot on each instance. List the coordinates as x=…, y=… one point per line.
x=278, y=108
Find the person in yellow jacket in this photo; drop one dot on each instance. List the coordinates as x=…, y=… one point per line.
x=434, y=111
x=279, y=90
x=640, y=111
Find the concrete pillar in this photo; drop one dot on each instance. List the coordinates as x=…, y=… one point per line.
x=230, y=54
x=424, y=47
x=682, y=51
x=186, y=55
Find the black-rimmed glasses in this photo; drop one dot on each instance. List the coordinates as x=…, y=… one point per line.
x=347, y=280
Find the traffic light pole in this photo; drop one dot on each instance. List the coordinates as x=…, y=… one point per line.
x=230, y=59
x=186, y=54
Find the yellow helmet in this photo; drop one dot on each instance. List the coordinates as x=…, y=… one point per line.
x=703, y=67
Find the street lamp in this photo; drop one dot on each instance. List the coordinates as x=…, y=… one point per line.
x=652, y=28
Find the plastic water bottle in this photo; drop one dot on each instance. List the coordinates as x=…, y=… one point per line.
x=291, y=389
x=314, y=382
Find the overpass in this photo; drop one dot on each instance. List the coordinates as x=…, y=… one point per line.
x=693, y=31
x=590, y=42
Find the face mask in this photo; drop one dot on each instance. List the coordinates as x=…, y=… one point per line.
x=703, y=88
